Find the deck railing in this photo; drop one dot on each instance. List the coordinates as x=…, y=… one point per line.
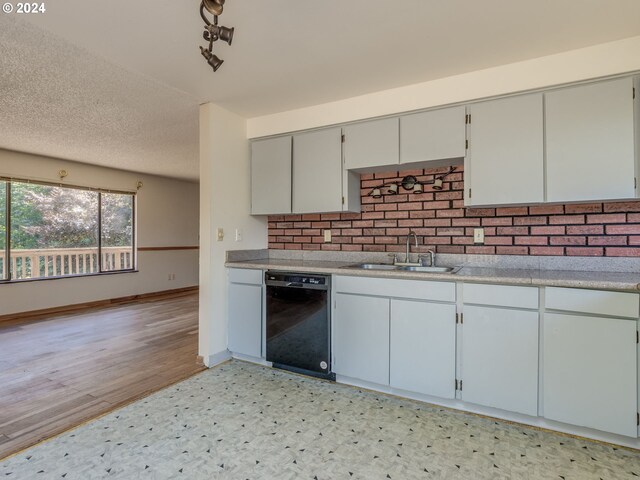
x=42, y=263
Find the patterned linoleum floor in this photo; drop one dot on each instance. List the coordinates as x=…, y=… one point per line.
x=242, y=421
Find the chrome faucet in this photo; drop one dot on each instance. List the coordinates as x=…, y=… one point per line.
x=407, y=258
x=432, y=258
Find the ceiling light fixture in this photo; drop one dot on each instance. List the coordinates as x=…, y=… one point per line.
x=214, y=32
x=410, y=183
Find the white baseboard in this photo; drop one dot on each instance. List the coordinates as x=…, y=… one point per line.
x=217, y=358
x=248, y=358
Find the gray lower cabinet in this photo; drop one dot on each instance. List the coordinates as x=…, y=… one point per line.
x=423, y=347
x=361, y=337
x=590, y=371
x=245, y=312
x=500, y=358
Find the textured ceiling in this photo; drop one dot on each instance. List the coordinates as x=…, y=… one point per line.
x=293, y=53
x=132, y=101
x=61, y=101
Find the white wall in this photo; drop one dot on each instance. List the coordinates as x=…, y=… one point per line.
x=577, y=65
x=167, y=215
x=225, y=196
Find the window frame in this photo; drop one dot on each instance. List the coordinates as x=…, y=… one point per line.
x=134, y=246
x=7, y=233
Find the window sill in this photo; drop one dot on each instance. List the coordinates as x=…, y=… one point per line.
x=43, y=279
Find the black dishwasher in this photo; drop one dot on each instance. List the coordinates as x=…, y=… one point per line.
x=298, y=326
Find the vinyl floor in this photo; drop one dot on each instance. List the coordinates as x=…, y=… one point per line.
x=243, y=421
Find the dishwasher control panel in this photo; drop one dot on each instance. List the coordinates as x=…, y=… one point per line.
x=294, y=278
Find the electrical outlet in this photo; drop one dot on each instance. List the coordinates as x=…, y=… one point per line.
x=172, y=276
x=220, y=234
x=478, y=235
x=238, y=235
x=327, y=236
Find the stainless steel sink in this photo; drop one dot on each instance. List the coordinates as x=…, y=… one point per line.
x=405, y=268
x=375, y=266
x=429, y=269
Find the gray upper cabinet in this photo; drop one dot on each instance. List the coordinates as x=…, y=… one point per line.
x=271, y=176
x=572, y=144
x=590, y=142
x=505, y=158
x=433, y=135
x=372, y=144
x=317, y=171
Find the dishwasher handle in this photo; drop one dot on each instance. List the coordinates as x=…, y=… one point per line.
x=297, y=285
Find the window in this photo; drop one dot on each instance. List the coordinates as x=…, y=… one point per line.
x=117, y=231
x=59, y=231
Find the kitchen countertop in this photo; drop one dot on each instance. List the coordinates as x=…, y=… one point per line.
x=623, y=281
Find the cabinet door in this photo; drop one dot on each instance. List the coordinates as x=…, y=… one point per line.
x=245, y=319
x=372, y=144
x=423, y=347
x=504, y=162
x=434, y=135
x=500, y=358
x=317, y=171
x=589, y=374
x=361, y=338
x=589, y=142
x=271, y=176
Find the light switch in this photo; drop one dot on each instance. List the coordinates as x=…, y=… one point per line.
x=327, y=236
x=478, y=235
x=220, y=234
x=238, y=235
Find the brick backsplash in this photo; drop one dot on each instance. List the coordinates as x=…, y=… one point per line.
x=442, y=223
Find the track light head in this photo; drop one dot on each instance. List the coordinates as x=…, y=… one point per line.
x=212, y=59
x=226, y=34
x=215, y=62
x=216, y=33
x=214, y=7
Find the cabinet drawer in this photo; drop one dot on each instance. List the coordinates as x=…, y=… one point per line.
x=598, y=302
x=385, y=287
x=242, y=275
x=500, y=295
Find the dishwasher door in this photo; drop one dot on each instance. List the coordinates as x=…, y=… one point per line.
x=298, y=327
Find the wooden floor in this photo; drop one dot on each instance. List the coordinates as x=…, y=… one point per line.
x=58, y=372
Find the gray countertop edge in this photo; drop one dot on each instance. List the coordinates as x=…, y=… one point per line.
x=626, y=282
